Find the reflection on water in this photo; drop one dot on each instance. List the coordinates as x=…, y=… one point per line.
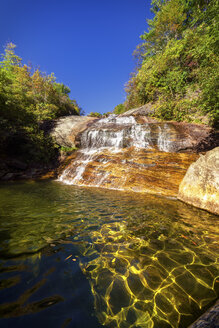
x=71, y=255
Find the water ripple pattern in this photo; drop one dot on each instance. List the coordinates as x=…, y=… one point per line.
x=149, y=261
x=157, y=278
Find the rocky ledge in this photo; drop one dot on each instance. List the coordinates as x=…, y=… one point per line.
x=129, y=169
x=144, y=132
x=14, y=169
x=200, y=186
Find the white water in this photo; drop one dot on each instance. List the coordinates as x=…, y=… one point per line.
x=163, y=142
x=141, y=137
x=117, y=132
x=113, y=119
x=87, y=157
x=96, y=139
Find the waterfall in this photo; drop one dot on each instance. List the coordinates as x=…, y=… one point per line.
x=164, y=142
x=116, y=133
x=95, y=139
x=118, y=144
x=141, y=136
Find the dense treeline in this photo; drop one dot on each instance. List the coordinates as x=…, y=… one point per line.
x=178, y=62
x=26, y=99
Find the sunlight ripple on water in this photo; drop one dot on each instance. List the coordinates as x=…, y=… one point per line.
x=87, y=258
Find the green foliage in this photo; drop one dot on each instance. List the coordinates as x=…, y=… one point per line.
x=25, y=100
x=106, y=114
x=119, y=109
x=178, y=61
x=68, y=150
x=95, y=114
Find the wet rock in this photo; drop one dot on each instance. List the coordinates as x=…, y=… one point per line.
x=200, y=186
x=210, y=319
x=142, y=132
x=128, y=153
x=116, y=170
x=198, y=137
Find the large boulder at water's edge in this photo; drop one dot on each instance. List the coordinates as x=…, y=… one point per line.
x=200, y=186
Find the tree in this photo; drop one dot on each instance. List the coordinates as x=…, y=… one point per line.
x=25, y=100
x=119, y=109
x=178, y=61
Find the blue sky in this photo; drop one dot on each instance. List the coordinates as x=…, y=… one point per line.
x=88, y=44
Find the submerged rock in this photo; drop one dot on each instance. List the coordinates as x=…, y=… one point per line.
x=210, y=319
x=200, y=186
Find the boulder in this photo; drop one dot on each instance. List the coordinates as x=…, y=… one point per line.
x=65, y=129
x=200, y=186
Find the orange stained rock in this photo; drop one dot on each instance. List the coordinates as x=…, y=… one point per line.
x=48, y=175
x=130, y=169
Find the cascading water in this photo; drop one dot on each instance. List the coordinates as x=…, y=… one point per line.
x=95, y=139
x=116, y=149
x=113, y=133
x=116, y=132
x=122, y=132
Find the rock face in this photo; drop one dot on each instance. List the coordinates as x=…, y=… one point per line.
x=121, y=153
x=200, y=138
x=65, y=129
x=131, y=151
x=139, y=131
x=200, y=186
x=129, y=169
